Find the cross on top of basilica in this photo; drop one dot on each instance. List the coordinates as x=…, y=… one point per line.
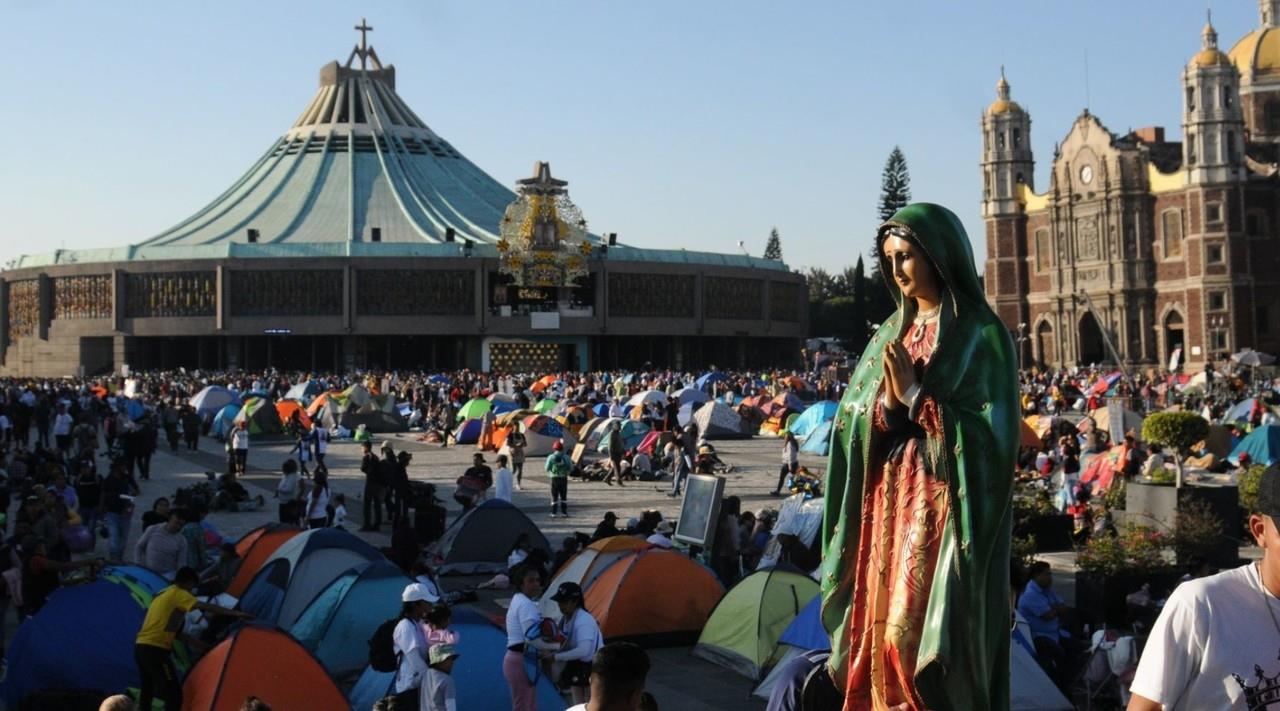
x=363, y=50
x=541, y=183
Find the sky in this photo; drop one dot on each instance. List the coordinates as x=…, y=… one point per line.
x=676, y=123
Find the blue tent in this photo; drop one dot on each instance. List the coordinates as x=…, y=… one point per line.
x=225, y=420
x=144, y=582
x=81, y=639
x=706, y=380
x=338, y=623
x=438, y=379
x=477, y=674
x=213, y=398
x=814, y=415
x=305, y=391
x=501, y=406
x=469, y=431
x=299, y=570
x=601, y=410
x=819, y=440
x=1262, y=445
x=806, y=630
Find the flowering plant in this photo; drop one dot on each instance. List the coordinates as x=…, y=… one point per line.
x=1136, y=549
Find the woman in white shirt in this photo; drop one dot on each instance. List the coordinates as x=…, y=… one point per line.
x=503, y=480
x=411, y=646
x=582, y=637
x=523, y=620
x=318, y=501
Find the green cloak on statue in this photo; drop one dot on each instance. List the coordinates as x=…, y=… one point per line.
x=963, y=653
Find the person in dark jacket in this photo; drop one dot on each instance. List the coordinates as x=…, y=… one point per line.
x=615, y=455
x=371, y=467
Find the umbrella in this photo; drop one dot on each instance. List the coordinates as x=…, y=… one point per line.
x=1253, y=358
x=474, y=409
x=545, y=406
x=544, y=382
x=641, y=398
x=439, y=379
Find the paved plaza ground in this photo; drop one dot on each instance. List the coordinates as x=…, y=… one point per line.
x=678, y=680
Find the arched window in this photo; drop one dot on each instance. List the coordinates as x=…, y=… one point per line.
x=1000, y=140
x=1191, y=98
x=1226, y=96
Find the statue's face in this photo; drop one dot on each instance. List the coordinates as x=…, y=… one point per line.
x=911, y=269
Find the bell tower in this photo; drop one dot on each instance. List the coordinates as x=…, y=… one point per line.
x=1007, y=171
x=1006, y=153
x=1212, y=119
x=1270, y=10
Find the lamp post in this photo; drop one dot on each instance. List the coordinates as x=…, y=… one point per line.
x=1022, y=337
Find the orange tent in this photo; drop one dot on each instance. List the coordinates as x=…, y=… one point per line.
x=318, y=404
x=543, y=383
x=262, y=662
x=254, y=549
x=635, y=598
x=498, y=437
x=286, y=408
x=1029, y=436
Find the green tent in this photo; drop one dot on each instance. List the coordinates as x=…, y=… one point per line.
x=474, y=409
x=261, y=416
x=742, y=632
x=544, y=407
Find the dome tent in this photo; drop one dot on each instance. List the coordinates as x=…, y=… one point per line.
x=814, y=415
x=260, y=416
x=210, y=400
x=634, y=599
x=340, y=619
x=299, y=569
x=818, y=441
x=742, y=633
x=587, y=565
x=263, y=662
x=715, y=420
x=254, y=548
x=478, y=542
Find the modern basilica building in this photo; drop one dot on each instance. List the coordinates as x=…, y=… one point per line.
x=362, y=239
x=1145, y=250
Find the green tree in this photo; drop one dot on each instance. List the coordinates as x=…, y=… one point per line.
x=859, y=291
x=895, y=194
x=1177, y=431
x=773, y=248
x=822, y=285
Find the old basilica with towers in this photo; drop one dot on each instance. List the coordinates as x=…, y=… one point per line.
x=1145, y=250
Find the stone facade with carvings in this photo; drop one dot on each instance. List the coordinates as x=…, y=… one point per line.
x=1141, y=246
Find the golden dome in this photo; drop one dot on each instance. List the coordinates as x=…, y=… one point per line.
x=1210, y=58
x=1257, y=52
x=1003, y=106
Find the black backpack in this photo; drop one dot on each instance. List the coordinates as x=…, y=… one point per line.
x=382, y=647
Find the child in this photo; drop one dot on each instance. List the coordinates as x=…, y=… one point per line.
x=438, y=693
x=339, y=510
x=435, y=628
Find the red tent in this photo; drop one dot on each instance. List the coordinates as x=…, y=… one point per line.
x=262, y=662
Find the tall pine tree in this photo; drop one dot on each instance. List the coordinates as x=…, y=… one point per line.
x=895, y=194
x=773, y=248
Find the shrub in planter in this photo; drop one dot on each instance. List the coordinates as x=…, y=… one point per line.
x=1111, y=567
x=1196, y=529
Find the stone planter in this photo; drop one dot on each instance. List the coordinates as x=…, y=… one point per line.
x=1157, y=505
x=1101, y=598
x=1052, y=533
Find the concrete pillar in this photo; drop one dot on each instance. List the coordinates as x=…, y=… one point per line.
x=44, y=296
x=221, y=286
x=350, y=346
x=349, y=277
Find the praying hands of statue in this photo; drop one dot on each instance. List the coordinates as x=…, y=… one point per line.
x=899, y=372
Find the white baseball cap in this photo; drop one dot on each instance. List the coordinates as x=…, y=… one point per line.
x=416, y=592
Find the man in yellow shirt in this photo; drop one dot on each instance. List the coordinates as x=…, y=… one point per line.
x=153, y=647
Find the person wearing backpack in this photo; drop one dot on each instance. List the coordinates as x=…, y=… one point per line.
x=398, y=645
x=558, y=467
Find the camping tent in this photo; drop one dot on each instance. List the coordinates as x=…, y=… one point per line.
x=686, y=396
x=468, y=432
x=212, y=399
x=1262, y=445
x=545, y=406
x=473, y=409
x=647, y=396
x=704, y=382
x=814, y=415
x=1240, y=411
x=587, y=565
x=225, y=420
x=318, y=405
x=716, y=420
x=341, y=619
x=742, y=633
x=1102, y=469
x=260, y=416
x=261, y=662
x=541, y=433
x=479, y=541
x=635, y=598
x=304, y=390
x=477, y=675
x=81, y=639
x=286, y=408
x=254, y=548
x=299, y=569
x=375, y=421
x=819, y=440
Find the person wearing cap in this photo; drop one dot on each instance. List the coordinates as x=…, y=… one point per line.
x=661, y=537
x=440, y=694
x=582, y=639
x=558, y=466
x=410, y=644
x=1214, y=644
x=608, y=527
